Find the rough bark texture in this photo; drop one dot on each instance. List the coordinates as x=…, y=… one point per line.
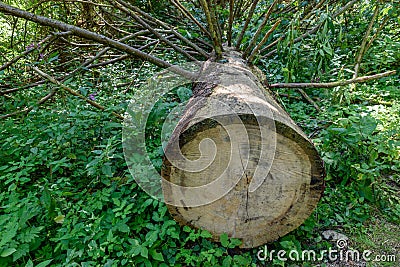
x=265, y=177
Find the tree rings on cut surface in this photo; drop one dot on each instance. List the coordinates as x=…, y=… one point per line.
x=237, y=163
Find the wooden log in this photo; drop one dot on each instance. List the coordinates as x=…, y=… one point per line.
x=236, y=162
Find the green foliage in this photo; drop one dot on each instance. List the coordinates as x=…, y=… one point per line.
x=156, y=120
x=67, y=198
x=61, y=206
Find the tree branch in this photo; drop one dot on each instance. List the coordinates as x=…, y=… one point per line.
x=230, y=23
x=215, y=36
x=246, y=24
x=271, y=45
x=260, y=29
x=189, y=15
x=316, y=28
x=363, y=45
x=102, y=64
x=51, y=37
x=373, y=38
x=310, y=13
x=309, y=99
x=25, y=53
x=332, y=84
x=153, y=31
x=73, y=92
x=94, y=37
x=164, y=25
x=263, y=41
x=28, y=109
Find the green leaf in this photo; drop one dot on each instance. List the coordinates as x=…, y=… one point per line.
x=205, y=234
x=29, y=234
x=21, y=252
x=287, y=244
x=184, y=93
x=156, y=255
x=7, y=252
x=123, y=228
x=235, y=242
x=227, y=262
x=59, y=219
x=46, y=198
x=9, y=233
x=368, y=125
x=147, y=263
x=187, y=229
x=338, y=130
x=53, y=57
x=71, y=156
x=48, y=202
x=144, y=252
x=44, y=263
x=29, y=263
x=224, y=239
x=151, y=237
x=109, y=263
x=110, y=236
x=106, y=169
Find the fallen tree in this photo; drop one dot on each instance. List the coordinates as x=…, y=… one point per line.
x=260, y=177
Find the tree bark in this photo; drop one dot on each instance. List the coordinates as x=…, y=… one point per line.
x=258, y=179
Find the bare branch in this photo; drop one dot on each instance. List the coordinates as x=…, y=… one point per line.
x=28, y=109
x=153, y=31
x=102, y=64
x=72, y=1
x=164, y=25
x=103, y=52
x=316, y=28
x=137, y=73
x=316, y=7
x=73, y=92
x=238, y=8
x=155, y=42
x=332, y=84
x=12, y=90
x=271, y=44
x=86, y=64
x=94, y=37
x=363, y=45
x=263, y=41
x=230, y=23
x=373, y=38
x=29, y=50
x=246, y=24
x=109, y=24
x=213, y=26
x=260, y=29
x=309, y=99
x=189, y=15
x=204, y=42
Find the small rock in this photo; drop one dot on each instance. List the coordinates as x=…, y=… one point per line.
x=333, y=235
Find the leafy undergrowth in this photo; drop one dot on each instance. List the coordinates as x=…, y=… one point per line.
x=357, y=135
x=67, y=198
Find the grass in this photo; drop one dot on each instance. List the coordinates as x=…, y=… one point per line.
x=382, y=238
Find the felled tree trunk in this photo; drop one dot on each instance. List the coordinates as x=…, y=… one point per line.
x=237, y=163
